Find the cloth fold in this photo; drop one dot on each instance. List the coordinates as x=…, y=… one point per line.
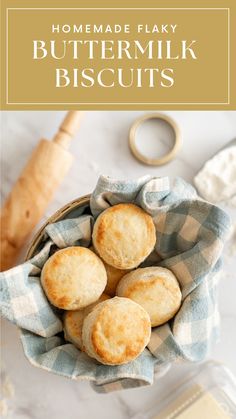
x=190, y=237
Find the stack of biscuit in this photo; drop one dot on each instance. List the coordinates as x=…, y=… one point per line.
x=110, y=302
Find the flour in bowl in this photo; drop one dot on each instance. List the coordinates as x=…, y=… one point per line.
x=216, y=181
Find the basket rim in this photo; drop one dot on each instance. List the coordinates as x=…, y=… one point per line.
x=57, y=216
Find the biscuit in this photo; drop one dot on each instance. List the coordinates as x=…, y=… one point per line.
x=73, y=322
x=73, y=278
x=156, y=289
x=116, y=331
x=114, y=275
x=124, y=235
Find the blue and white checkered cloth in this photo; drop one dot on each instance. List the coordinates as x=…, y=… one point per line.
x=190, y=237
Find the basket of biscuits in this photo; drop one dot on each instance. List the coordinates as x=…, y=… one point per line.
x=118, y=285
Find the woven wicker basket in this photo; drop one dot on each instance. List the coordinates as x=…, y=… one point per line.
x=59, y=215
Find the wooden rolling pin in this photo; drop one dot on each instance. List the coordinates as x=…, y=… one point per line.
x=34, y=190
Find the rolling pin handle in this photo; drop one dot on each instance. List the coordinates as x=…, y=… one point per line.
x=68, y=129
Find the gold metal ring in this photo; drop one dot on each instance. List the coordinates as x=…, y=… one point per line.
x=167, y=157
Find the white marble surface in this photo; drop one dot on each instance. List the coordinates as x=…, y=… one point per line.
x=101, y=147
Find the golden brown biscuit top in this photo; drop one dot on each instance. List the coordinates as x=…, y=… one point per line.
x=121, y=331
x=124, y=235
x=71, y=276
x=156, y=289
x=73, y=320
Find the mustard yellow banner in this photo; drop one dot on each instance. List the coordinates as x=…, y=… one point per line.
x=128, y=55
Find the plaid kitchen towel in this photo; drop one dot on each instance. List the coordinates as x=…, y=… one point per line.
x=190, y=237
